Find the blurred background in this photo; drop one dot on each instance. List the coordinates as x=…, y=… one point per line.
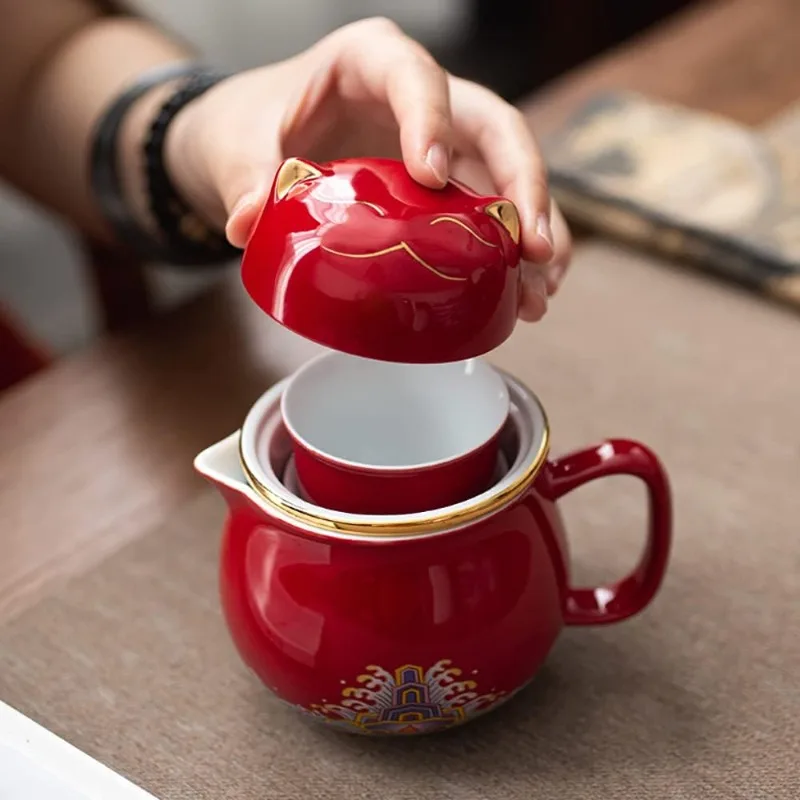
x=513, y=46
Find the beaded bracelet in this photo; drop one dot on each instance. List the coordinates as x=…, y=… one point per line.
x=188, y=238
x=184, y=238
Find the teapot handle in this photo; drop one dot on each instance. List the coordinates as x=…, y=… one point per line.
x=618, y=601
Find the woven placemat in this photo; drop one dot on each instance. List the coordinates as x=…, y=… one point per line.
x=693, y=699
x=697, y=698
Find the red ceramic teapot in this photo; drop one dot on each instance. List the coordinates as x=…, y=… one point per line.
x=415, y=623
x=405, y=624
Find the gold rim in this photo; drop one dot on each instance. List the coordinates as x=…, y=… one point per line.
x=418, y=526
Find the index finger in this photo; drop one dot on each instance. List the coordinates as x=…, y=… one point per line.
x=378, y=62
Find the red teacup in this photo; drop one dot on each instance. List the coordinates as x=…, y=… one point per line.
x=291, y=482
x=373, y=437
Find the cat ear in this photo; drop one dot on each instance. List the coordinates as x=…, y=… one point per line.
x=505, y=212
x=291, y=172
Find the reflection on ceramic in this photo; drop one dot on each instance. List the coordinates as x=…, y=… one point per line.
x=406, y=624
x=375, y=437
x=358, y=256
x=292, y=482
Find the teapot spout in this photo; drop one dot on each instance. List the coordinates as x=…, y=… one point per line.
x=219, y=464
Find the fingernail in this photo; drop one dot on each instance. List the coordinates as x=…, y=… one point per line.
x=245, y=200
x=555, y=272
x=535, y=301
x=543, y=229
x=240, y=224
x=438, y=161
x=537, y=282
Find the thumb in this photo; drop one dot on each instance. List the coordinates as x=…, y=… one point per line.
x=243, y=185
x=243, y=215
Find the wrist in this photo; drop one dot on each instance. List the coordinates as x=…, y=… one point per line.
x=187, y=164
x=132, y=137
x=132, y=182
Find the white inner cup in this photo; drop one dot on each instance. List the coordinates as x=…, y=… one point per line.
x=393, y=416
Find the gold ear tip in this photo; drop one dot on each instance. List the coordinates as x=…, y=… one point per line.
x=291, y=172
x=505, y=212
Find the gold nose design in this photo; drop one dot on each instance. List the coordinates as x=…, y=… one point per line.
x=505, y=212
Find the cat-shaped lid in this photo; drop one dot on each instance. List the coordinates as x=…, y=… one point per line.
x=359, y=257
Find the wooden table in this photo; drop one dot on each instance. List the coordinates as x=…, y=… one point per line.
x=97, y=450
x=131, y=662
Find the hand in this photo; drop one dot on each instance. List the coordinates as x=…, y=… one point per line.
x=366, y=90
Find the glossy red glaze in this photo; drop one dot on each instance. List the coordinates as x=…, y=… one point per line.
x=360, y=490
x=418, y=635
x=361, y=258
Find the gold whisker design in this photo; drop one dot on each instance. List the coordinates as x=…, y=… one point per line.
x=401, y=246
x=375, y=208
x=465, y=227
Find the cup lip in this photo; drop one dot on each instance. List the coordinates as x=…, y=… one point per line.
x=393, y=469
x=319, y=521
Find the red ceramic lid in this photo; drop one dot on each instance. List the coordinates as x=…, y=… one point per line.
x=359, y=257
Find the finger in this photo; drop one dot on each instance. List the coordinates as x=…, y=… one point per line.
x=562, y=250
x=542, y=281
x=243, y=217
x=377, y=61
x=244, y=187
x=533, y=302
x=504, y=141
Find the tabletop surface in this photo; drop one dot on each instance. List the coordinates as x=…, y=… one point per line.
x=97, y=451
x=112, y=430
